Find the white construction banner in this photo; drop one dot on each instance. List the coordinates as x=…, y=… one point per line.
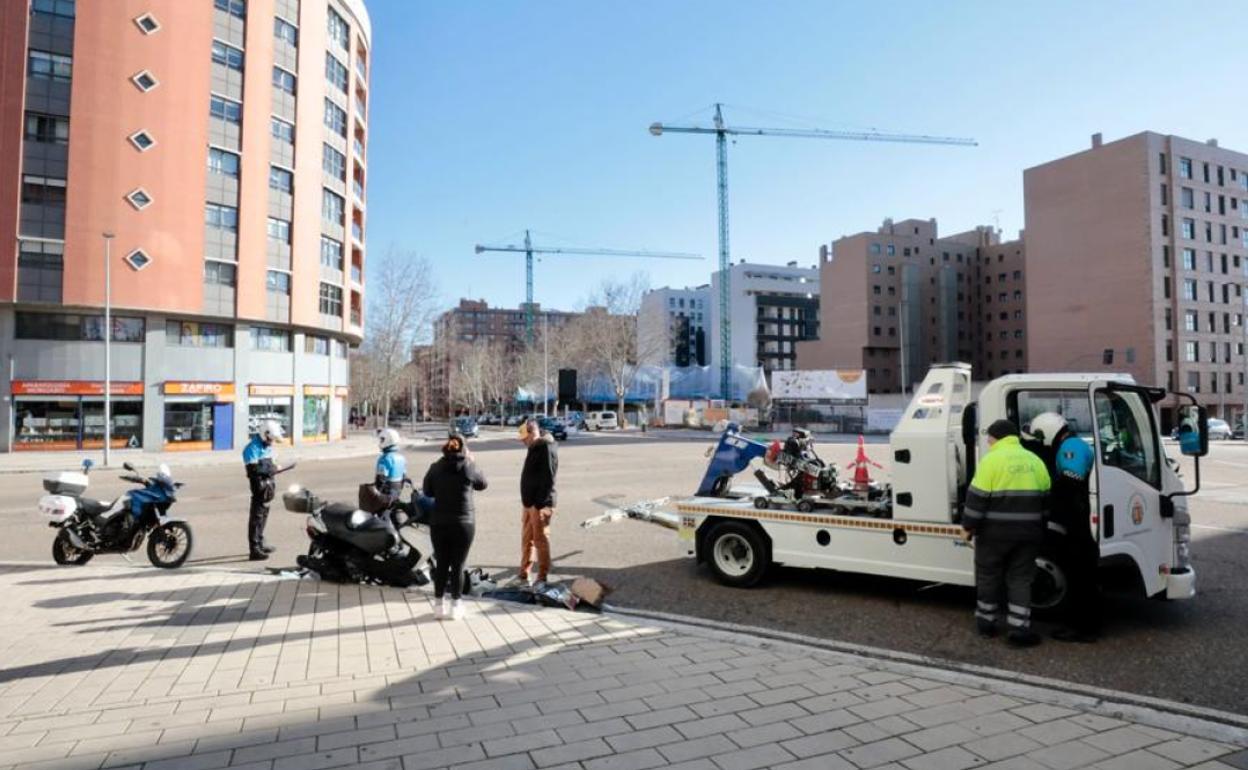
x=841, y=386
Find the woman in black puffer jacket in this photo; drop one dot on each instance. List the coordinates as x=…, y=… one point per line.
x=450, y=481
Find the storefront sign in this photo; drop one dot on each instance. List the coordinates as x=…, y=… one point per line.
x=340, y=391
x=74, y=388
x=270, y=390
x=221, y=391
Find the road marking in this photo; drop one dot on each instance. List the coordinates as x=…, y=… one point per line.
x=1228, y=462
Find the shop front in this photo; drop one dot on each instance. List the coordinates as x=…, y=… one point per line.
x=198, y=415
x=68, y=415
x=271, y=402
x=323, y=414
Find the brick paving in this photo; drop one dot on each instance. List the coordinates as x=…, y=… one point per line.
x=199, y=669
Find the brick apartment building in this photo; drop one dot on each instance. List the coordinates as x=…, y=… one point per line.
x=1138, y=250
x=899, y=299
x=474, y=321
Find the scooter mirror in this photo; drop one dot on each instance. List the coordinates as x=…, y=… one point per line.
x=125, y=465
x=86, y=466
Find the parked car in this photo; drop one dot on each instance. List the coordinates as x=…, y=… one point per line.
x=575, y=420
x=601, y=421
x=554, y=427
x=490, y=419
x=465, y=426
x=1219, y=429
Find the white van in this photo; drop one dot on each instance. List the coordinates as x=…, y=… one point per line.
x=601, y=421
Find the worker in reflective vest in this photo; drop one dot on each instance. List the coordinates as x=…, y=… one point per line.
x=1004, y=515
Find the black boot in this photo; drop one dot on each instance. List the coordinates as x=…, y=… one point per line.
x=986, y=628
x=258, y=555
x=266, y=548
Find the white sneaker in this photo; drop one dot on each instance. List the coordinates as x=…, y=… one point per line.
x=457, y=610
x=441, y=609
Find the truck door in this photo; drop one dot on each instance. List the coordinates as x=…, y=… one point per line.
x=1128, y=467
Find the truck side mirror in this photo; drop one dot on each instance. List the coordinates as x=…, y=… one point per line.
x=1193, y=430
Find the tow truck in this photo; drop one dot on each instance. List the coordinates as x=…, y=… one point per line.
x=1138, y=516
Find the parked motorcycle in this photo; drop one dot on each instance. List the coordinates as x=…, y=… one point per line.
x=87, y=527
x=350, y=545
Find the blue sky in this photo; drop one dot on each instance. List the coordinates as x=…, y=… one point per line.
x=490, y=117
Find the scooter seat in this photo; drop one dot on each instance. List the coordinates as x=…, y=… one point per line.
x=369, y=533
x=94, y=507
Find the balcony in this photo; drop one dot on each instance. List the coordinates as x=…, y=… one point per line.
x=358, y=146
x=357, y=232
x=357, y=275
x=361, y=69
x=358, y=189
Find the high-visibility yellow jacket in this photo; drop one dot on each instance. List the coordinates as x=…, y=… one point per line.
x=1006, y=499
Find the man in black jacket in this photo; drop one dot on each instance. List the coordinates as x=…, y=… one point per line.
x=537, y=495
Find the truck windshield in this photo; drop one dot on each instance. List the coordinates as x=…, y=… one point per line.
x=1127, y=439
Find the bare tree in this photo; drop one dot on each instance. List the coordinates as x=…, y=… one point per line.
x=402, y=305
x=469, y=373
x=605, y=338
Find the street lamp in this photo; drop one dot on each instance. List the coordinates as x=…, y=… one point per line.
x=108, y=346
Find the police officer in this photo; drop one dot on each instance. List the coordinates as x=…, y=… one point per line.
x=1071, y=460
x=391, y=466
x=258, y=460
x=1004, y=514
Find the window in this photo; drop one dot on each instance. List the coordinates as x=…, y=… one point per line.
x=53, y=66
x=281, y=179
x=1161, y=164
x=335, y=73
x=139, y=198
x=148, y=24
x=233, y=7
x=142, y=141
x=1185, y=168
x=144, y=81
x=1187, y=198
x=220, y=273
x=223, y=217
x=1189, y=259
x=283, y=80
x=52, y=129
x=272, y=340
x=284, y=30
x=277, y=282
x=1189, y=289
x=1165, y=256
x=875, y=248
x=62, y=8
x=315, y=345
x=336, y=118
x=333, y=208
x=1191, y=321
x=1189, y=229
x=222, y=162
x=339, y=32
x=1165, y=194
x=1190, y=352
x=334, y=163
x=1126, y=435
x=279, y=230
x=137, y=259
x=198, y=335
x=892, y=250
x=331, y=253
x=1165, y=224
x=71, y=326
x=227, y=55
x=283, y=131
x=41, y=266
x=331, y=300
x=43, y=191
x=229, y=111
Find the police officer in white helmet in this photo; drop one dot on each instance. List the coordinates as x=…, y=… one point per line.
x=258, y=460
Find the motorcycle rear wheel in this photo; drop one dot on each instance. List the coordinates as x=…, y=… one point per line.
x=65, y=553
x=169, y=545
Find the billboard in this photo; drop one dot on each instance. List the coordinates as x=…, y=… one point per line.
x=840, y=386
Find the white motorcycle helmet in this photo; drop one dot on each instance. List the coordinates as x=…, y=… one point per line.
x=1045, y=427
x=387, y=438
x=270, y=431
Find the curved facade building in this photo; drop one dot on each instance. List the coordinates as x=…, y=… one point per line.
x=221, y=144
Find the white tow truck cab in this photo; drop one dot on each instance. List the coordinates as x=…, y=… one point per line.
x=1139, y=513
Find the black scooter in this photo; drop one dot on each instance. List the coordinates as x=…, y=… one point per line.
x=350, y=545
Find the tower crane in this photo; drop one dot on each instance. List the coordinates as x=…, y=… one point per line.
x=722, y=132
x=528, y=250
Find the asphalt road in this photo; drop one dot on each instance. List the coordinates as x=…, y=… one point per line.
x=1191, y=651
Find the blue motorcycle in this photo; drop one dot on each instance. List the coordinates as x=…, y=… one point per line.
x=87, y=526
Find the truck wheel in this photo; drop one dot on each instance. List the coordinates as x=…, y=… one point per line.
x=1050, y=589
x=761, y=503
x=738, y=554
x=805, y=506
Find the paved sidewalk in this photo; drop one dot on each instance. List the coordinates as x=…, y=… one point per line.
x=201, y=669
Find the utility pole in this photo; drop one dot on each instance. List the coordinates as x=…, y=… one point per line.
x=108, y=347
x=546, y=364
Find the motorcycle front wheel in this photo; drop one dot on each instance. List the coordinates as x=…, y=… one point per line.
x=169, y=545
x=65, y=553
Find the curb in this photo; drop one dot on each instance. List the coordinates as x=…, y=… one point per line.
x=1211, y=724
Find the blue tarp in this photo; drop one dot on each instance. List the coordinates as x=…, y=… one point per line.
x=686, y=382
